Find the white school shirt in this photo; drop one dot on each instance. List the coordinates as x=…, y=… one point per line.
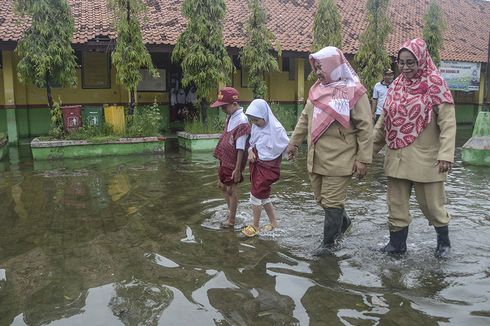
x=237, y=118
x=379, y=93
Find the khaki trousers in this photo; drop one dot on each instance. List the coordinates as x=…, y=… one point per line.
x=330, y=192
x=430, y=197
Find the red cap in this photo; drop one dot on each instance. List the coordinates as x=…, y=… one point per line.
x=226, y=95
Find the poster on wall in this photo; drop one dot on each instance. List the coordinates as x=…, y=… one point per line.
x=461, y=76
x=150, y=84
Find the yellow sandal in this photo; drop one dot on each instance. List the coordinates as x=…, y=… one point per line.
x=250, y=231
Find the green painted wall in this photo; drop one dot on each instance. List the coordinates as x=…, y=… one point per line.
x=3, y=121
x=466, y=113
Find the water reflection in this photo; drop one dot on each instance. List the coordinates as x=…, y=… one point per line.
x=135, y=241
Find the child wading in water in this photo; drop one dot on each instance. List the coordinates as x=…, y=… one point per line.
x=268, y=142
x=231, y=150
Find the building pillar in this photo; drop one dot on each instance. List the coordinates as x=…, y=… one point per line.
x=8, y=88
x=481, y=92
x=300, y=85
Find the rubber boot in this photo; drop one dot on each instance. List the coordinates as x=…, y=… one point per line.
x=346, y=223
x=331, y=230
x=443, y=244
x=398, y=242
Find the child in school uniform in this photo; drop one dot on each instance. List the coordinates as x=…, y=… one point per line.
x=231, y=150
x=268, y=142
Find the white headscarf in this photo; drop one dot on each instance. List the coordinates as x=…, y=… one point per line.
x=271, y=140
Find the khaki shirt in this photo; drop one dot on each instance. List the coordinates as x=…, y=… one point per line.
x=418, y=161
x=336, y=150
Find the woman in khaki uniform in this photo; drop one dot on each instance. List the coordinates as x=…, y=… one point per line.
x=418, y=124
x=338, y=125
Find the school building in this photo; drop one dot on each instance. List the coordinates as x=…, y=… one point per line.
x=23, y=108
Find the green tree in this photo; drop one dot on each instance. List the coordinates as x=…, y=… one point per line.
x=327, y=29
x=255, y=56
x=372, y=58
x=200, y=49
x=46, y=55
x=130, y=54
x=433, y=29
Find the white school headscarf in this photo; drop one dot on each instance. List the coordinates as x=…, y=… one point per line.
x=271, y=140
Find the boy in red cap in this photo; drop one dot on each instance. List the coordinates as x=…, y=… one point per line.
x=231, y=149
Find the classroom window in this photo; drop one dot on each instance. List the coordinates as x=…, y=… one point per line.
x=96, y=70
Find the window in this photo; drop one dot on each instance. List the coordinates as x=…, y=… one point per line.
x=96, y=70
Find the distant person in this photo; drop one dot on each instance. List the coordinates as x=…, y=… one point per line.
x=337, y=122
x=268, y=142
x=379, y=94
x=419, y=126
x=231, y=150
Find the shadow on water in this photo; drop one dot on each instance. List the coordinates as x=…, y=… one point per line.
x=135, y=241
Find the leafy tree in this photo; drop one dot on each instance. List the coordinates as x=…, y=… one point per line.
x=255, y=56
x=433, y=29
x=130, y=54
x=327, y=28
x=46, y=55
x=372, y=57
x=200, y=49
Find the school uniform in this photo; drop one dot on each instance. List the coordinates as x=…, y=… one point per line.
x=268, y=143
x=234, y=138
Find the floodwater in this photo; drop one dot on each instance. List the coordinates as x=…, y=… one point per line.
x=135, y=241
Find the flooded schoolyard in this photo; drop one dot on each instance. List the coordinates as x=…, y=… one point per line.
x=136, y=241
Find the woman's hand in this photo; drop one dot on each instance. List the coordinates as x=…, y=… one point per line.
x=292, y=150
x=445, y=166
x=360, y=169
x=251, y=157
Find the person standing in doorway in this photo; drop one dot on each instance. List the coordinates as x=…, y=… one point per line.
x=379, y=94
x=231, y=150
x=337, y=123
x=419, y=126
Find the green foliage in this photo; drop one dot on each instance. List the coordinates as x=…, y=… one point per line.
x=327, y=30
x=255, y=56
x=372, y=57
x=93, y=133
x=130, y=54
x=213, y=126
x=144, y=122
x=57, y=130
x=200, y=49
x=433, y=30
x=45, y=51
x=2, y=137
x=286, y=115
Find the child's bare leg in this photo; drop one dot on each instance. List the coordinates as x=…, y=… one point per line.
x=256, y=211
x=233, y=203
x=224, y=190
x=271, y=213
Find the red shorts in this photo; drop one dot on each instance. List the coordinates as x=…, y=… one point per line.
x=224, y=175
x=262, y=175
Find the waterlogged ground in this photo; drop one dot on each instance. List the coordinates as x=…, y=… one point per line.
x=135, y=241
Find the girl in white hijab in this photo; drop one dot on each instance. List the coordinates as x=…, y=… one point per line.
x=268, y=143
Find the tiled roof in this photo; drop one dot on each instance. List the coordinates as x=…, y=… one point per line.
x=465, y=39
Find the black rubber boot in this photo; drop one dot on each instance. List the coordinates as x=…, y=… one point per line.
x=331, y=230
x=443, y=244
x=346, y=223
x=398, y=242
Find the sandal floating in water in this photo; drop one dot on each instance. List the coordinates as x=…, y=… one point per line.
x=250, y=231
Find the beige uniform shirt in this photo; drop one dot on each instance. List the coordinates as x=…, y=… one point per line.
x=335, y=151
x=418, y=161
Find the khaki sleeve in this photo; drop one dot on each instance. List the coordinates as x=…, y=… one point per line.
x=379, y=134
x=362, y=120
x=446, y=120
x=301, y=130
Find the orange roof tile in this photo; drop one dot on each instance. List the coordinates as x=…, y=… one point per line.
x=465, y=39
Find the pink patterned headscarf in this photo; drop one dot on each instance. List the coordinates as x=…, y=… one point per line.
x=334, y=100
x=409, y=102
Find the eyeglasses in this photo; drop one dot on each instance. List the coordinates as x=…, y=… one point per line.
x=408, y=63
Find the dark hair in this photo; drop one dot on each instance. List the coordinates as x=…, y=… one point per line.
x=405, y=49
